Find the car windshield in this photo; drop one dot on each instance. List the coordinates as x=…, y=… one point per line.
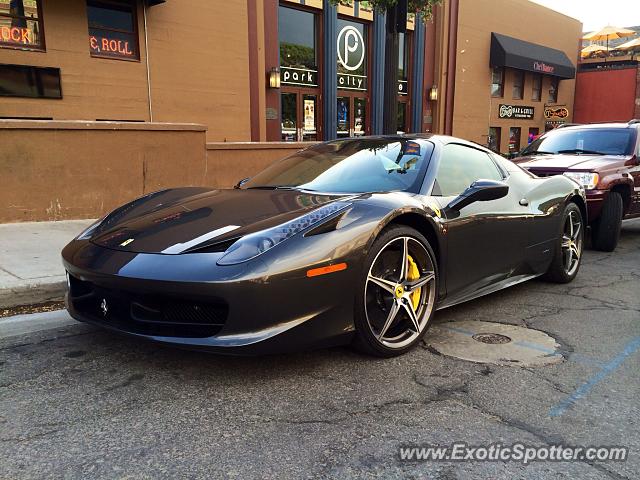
x=588, y=141
x=351, y=166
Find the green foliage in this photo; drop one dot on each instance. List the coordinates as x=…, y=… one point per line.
x=298, y=56
x=423, y=7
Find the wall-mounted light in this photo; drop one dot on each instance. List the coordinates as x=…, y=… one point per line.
x=433, y=93
x=274, y=78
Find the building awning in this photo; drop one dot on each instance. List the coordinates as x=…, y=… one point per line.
x=514, y=53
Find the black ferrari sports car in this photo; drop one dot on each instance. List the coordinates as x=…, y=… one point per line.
x=350, y=241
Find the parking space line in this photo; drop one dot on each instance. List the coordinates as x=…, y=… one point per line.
x=631, y=348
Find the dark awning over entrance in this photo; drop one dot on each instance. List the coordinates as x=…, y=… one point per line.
x=514, y=53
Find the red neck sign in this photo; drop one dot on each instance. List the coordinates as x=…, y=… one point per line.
x=111, y=47
x=17, y=35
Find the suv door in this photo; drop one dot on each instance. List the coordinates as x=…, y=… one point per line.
x=485, y=240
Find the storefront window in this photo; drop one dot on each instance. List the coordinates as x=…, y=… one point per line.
x=403, y=64
x=352, y=56
x=402, y=117
x=21, y=24
x=493, y=142
x=536, y=93
x=553, y=90
x=113, y=31
x=298, y=74
x=497, y=82
x=518, y=84
x=533, y=134
x=298, y=60
x=514, y=139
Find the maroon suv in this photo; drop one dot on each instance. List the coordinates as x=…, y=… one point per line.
x=605, y=158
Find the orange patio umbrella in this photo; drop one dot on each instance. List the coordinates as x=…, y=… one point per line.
x=635, y=43
x=593, y=48
x=609, y=33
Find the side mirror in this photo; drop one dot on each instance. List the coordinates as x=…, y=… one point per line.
x=480, y=191
x=241, y=182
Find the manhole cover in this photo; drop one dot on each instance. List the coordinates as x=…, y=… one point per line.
x=496, y=343
x=491, y=338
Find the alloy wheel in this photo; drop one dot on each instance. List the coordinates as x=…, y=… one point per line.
x=572, y=243
x=400, y=292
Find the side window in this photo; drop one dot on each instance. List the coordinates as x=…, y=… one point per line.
x=459, y=167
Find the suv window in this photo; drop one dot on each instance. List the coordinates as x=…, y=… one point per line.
x=459, y=167
x=605, y=141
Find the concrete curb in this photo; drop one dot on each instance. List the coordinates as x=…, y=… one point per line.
x=33, y=293
x=34, y=322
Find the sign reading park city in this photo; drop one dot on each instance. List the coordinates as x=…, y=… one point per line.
x=111, y=47
x=351, y=57
x=302, y=77
x=516, y=111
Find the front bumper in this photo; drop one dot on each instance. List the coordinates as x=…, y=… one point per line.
x=595, y=199
x=262, y=306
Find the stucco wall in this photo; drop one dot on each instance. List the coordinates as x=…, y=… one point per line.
x=475, y=110
x=92, y=88
x=606, y=95
x=73, y=170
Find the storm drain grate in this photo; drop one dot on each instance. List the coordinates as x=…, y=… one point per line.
x=491, y=338
x=493, y=342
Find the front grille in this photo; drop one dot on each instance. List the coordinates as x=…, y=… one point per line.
x=147, y=314
x=543, y=173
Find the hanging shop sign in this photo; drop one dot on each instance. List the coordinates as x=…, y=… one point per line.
x=556, y=112
x=403, y=87
x=302, y=77
x=516, y=111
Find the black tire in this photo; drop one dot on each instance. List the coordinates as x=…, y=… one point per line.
x=606, y=230
x=366, y=340
x=564, y=267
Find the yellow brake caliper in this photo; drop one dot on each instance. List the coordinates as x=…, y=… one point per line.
x=414, y=274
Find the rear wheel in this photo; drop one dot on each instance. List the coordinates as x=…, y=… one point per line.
x=606, y=230
x=397, y=292
x=568, y=255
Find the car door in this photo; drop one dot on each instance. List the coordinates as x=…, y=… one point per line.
x=485, y=240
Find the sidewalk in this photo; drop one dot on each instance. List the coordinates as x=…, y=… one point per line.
x=30, y=266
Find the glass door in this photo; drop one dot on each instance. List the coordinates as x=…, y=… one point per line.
x=299, y=116
x=352, y=118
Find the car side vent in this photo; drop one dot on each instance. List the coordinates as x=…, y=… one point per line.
x=214, y=247
x=326, y=227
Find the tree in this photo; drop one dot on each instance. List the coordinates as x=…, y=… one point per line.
x=396, y=11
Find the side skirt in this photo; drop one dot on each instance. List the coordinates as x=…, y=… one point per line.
x=506, y=283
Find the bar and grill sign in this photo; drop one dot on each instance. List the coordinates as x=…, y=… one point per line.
x=516, y=111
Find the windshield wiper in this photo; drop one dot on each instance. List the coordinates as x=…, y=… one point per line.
x=581, y=151
x=537, y=152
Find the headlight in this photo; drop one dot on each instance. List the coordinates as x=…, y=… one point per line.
x=587, y=179
x=257, y=243
x=88, y=232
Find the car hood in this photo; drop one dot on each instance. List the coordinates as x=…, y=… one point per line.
x=562, y=163
x=205, y=218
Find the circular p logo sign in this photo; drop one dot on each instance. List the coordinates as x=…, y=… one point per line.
x=350, y=48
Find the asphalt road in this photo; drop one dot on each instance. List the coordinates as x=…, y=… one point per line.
x=77, y=402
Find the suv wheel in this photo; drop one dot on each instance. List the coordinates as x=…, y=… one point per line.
x=606, y=230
